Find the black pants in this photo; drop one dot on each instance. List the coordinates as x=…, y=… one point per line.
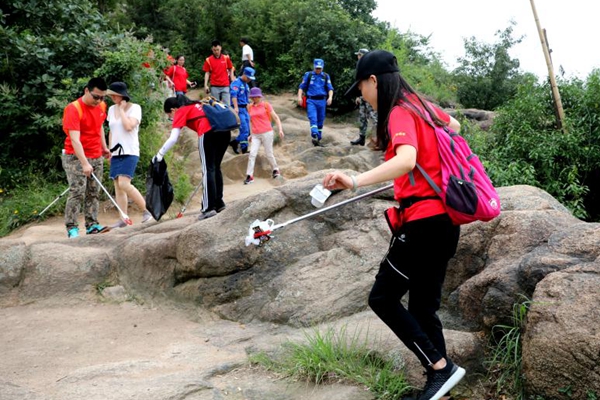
x=212, y=147
x=416, y=262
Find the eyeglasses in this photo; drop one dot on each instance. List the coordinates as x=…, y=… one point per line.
x=97, y=97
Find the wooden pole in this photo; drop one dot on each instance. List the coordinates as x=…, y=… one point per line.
x=555, y=93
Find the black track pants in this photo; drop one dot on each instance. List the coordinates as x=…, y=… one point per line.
x=416, y=262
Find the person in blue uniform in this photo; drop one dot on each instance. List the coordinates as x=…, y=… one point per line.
x=239, y=90
x=317, y=87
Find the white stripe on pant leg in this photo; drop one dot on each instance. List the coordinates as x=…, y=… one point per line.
x=204, y=179
x=424, y=355
x=396, y=269
x=387, y=253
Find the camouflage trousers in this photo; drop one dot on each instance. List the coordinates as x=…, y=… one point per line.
x=82, y=188
x=365, y=111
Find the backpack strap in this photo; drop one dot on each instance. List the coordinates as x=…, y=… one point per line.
x=80, y=110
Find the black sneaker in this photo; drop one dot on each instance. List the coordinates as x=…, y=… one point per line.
x=358, y=142
x=315, y=142
x=235, y=146
x=441, y=381
x=249, y=179
x=276, y=174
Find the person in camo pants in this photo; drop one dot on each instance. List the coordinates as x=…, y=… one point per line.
x=85, y=145
x=365, y=111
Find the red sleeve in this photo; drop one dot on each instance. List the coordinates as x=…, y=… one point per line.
x=206, y=66
x=71, y=120
x=180, y=117
x=402, y=128
x=169, y=71
x=229, y=63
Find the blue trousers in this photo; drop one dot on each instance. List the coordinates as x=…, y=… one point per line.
x=242, y=137
x=315, y=111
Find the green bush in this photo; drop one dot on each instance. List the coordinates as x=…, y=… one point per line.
x=524, y=145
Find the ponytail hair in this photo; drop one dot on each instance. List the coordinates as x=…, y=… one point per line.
x=393, y=90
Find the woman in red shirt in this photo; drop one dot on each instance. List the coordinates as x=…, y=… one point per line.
x=261, y=114
x=177, y=76
x=211, y=146
x=422, y=245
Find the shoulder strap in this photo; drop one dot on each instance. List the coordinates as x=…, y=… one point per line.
x=78, y=108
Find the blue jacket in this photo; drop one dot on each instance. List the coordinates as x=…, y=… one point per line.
x=239, y=90
x=320, y=84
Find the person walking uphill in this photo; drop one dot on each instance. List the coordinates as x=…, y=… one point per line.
x=124, y=120
x=424, y=238
x=317, y=86
x=365, y=111
x=211, y=146
x=85, y=145
x=239, y=100
x=261, y=114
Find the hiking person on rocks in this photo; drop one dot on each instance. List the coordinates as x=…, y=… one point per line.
x=211, y=146
x=317, y=87
x=239, y=100
x=365, y=111
x=424, y=238
x=218, y=74
x=261, y=114
x=124, y=119
x=177, y=75
x=85, y=145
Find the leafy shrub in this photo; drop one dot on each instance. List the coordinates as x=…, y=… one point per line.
x=526, y=147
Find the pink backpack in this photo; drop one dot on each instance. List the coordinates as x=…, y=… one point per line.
x=466, y=191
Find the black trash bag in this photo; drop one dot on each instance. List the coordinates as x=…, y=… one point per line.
x=159, y=191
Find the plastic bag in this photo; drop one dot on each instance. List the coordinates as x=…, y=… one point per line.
x=159, y=191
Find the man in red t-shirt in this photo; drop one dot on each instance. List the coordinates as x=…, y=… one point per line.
x=218, y=70
x=85, y=145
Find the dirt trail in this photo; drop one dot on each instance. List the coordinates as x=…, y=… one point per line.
x=90, y=348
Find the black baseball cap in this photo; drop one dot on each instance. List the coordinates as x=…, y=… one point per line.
x=375, y=62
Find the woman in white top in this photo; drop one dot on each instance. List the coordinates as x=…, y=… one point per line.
x=124, y=122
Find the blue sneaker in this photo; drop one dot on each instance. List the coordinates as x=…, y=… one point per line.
x=96, y=228
x=73, y=233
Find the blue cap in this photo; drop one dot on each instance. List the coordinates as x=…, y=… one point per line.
x=319, y=63
x=249, y=72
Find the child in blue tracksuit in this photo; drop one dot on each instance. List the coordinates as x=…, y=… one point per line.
x=317, y=86
x=239, y=100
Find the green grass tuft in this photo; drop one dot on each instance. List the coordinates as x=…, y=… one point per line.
x=337, y=357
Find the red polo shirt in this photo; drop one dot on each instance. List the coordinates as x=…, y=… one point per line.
x=193, y=117
x=406, y=127
x=89, y=126
x=218, y=69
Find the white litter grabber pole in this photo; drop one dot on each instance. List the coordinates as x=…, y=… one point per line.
x=259, y=231
x=51, y=204
x=124, y=216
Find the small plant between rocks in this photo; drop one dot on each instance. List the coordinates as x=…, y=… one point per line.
x=337, y=357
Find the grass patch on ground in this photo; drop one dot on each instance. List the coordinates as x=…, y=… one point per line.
x=505, y=361
x=332, y=356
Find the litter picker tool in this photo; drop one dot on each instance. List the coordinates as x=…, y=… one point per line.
x=260, y=231
x=124, y=216
x=53, y=202
x=187, y=203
